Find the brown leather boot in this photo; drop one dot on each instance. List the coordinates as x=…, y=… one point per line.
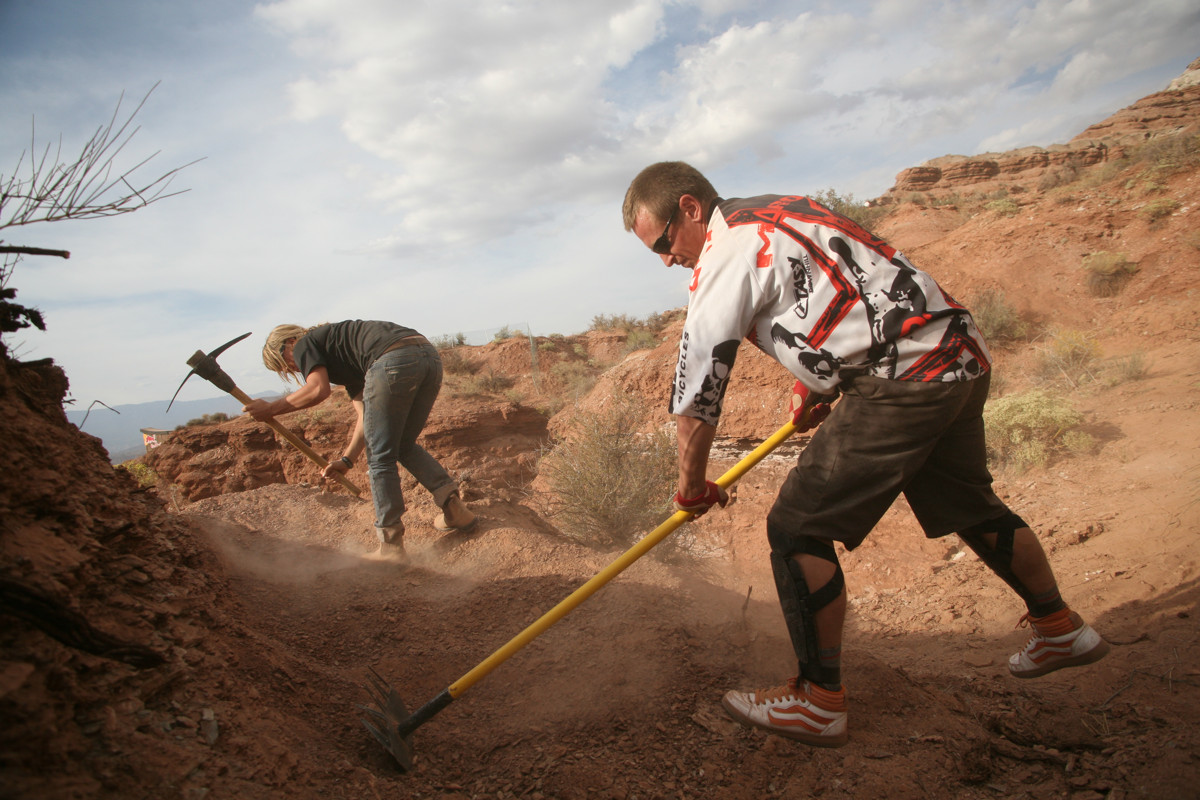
x=455, y=516
x=391, y=544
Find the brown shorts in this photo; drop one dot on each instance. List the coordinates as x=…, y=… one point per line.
x=886, y=437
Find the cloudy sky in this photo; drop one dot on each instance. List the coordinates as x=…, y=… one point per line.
x=459, y=166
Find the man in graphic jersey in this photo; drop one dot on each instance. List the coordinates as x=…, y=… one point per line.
x=850, y=318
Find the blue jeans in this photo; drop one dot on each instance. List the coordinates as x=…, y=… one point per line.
x=398, y=394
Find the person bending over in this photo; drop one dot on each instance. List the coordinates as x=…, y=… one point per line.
x=392, y=375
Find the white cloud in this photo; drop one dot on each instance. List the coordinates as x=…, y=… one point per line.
x=472, y=110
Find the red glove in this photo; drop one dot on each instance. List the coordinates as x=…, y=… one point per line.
x=816, y=405
x=697, y=506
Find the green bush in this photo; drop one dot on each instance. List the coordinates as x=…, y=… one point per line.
x=640, y=340
x=1107, y=273
x=865, y=215
x=1003, y=207
x=996, y=319
x=1024, y=430
x=610, y=485
x=141, y=472
x=1159, y=209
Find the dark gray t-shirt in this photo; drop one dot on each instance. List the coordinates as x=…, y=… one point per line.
x=347, y=349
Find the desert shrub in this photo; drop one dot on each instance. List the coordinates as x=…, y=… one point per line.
x=997, y=319
x=1078, y=443
x=946, y=200
x=1003, y=207
x=504, y=333
x=659, y=320
x=316, y=414
x=548, y=346
x=865, y=215
x=205, y=419
x=1059, y=176
x=1159, y=209
x=449, y=341
x=1107, y=273
x=454, y=362
x=653, y=323
x=1101, y=174
x=610, y=485
x=141, y=472
x=1170, y=153
x=1069, y=355
x=572, y=379
x=580, y=349
x=485, y=383
x=640, y=340
x=1024, y=430
x=613, y=322
x=1132, y=367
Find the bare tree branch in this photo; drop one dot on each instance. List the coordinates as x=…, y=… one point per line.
x=89, y=187
x=34, y=251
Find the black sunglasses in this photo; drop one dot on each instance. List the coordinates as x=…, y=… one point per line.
x=662, y=245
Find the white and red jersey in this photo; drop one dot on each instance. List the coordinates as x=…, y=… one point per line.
x=820, y=295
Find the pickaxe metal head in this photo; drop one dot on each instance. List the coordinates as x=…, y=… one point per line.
x=206, y=367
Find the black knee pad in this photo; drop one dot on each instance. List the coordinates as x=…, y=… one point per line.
x=997, y=556
x=799, y=604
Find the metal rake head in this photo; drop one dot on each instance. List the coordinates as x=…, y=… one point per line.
x=385, y=717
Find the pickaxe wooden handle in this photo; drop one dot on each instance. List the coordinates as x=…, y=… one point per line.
x=206, y=367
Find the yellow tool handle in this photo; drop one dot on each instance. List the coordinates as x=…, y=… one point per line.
x=605, y=575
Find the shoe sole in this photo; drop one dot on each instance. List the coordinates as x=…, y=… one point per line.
x=1090, y=657
x=463, y=529
x=811, y=739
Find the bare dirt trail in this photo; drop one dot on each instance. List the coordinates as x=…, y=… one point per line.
x=620, y=699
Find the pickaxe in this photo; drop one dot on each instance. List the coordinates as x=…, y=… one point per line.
x=206, y=367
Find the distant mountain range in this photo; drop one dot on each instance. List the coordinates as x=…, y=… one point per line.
x=121, y=432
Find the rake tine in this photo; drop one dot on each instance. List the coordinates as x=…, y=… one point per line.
x=384, y=718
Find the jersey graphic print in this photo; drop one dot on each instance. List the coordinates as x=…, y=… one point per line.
x=821, y=295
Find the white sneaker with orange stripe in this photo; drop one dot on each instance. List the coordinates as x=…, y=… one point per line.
x=1061, y=639
x=798, y=710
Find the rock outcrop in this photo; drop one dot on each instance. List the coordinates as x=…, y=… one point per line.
x=1172, y=111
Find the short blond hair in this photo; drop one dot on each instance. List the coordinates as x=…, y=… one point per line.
x=273, y=358
x=658, y=188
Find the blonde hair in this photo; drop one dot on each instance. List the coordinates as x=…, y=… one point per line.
x=273, y=358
